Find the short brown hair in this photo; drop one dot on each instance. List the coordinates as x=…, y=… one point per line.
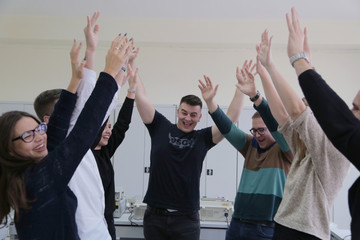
x=256, y=115
x=192, y=100
x=45, y=102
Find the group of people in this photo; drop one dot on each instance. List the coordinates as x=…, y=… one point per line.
x=57, y=176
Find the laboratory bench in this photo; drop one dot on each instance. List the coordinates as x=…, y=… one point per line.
x=128, y=228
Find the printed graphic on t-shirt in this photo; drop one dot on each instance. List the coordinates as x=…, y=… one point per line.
x=181, y=142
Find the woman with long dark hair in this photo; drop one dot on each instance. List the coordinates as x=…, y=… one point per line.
x=33, y=179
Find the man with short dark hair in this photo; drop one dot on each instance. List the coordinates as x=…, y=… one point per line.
x=267, y=163
x=44, y=103
x=177, y=155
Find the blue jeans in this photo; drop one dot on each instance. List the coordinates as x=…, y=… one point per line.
x=239, y=230
x=159, y=225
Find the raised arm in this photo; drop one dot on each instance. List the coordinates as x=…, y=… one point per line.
x=208, y=92
x=89, y=121
x=264, y=55
x=143, y=104
x=340, y=124
x=298, y=48
x=247, y=85
x=293, y=104
x=60, y=118
x=77, y=69
x=124, y=116
x=92, y=39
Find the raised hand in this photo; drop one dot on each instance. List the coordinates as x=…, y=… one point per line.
x=207, y=89
x=91, y=31
x=246, y=79
x=117, y=55
x=264, y=49
x=76, y=67
x=296, y=34
x=134, y=52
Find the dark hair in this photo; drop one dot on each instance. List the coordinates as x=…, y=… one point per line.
x=192, y=100
x=45, y=102
x=256, y=115
x=12, y=166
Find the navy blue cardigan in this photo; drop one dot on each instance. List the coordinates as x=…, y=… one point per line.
x=53, y=205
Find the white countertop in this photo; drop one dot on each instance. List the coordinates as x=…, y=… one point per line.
x=124, y=221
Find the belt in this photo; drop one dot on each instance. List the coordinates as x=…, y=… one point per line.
x=256, y=222
x=165, y=212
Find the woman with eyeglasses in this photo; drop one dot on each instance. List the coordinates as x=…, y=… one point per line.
x=34, y=178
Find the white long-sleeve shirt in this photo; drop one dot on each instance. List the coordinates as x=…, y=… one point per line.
x=86, y=182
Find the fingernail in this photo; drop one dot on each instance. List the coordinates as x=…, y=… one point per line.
x=119, y=34
x=130, y=39
x=85, y=58
x=80, y=43
x=133, y=48
x=125, y=34
x=74, y=39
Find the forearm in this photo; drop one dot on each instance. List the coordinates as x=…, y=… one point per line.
x=87, y=126
x=60, y=119
x=73, y=85
x=90, y=62
x=292, y=102
x=301, y=66
x=338, y=122
x=236, y=106
x=228, y=129
x=143, y=104
x=277, y=108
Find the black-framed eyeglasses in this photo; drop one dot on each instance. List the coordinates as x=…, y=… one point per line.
x=260, y=131
x=29, y=136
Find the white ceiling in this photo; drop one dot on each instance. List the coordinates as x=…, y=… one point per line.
x=213, y=9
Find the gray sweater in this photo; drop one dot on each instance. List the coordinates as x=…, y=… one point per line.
x=313, y=181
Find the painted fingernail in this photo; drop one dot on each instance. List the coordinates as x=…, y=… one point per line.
x=130, y=39
x=119, y=34
x=123, y=68
x=133, y=48
x=125, y=34
x=85, y=58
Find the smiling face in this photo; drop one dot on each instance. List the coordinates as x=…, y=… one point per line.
x=188, y=117
x=266, y=139
x=36, y=149
x=106, y=134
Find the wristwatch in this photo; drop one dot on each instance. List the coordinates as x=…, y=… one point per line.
x=298, y=56
x=256, y=97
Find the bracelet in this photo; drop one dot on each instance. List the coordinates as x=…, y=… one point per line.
x=132, y=90
x=256, y=97
x=298, y=56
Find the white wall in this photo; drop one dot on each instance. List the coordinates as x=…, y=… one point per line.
x=174, y=53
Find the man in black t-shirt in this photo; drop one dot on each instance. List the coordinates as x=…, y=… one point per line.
x=177, y=154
